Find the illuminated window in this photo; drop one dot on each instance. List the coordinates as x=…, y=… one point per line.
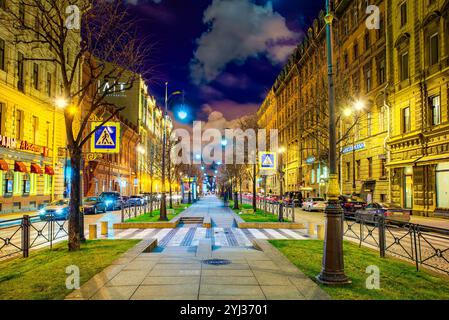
x=47, y=184
x=33, y=183
x=18, y=183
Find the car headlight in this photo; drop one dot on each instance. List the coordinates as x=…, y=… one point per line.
x=59, y=211
x=42, y=211
x=108, y=202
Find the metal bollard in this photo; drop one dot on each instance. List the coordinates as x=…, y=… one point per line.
x=104, y=228
x=123, y=213
x=92, y=231
x=135, y=211
x=320, y=232
x=311, y=229
x=26, y=236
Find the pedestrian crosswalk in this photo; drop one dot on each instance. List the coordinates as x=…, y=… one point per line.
x=221, y=237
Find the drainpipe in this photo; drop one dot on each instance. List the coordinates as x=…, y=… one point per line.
x=386, y=148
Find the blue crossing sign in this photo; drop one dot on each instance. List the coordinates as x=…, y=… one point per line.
x=106, y=137
x=267, y=161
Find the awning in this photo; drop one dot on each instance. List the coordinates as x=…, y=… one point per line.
x=433, y=159
x=35, y=168
x=402, y=163
x=20, y=167
x=3, y=165
x=49, y=170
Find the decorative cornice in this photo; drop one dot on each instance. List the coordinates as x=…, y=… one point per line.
x=403, y=38
x=431, y=16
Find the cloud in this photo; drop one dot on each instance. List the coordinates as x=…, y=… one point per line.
x=232, y=109
x=210, y=93
x=229, y=80
x=239, y=29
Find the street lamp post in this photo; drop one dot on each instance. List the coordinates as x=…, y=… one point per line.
x=281, y=182
x=332, y=272
x=163, y=210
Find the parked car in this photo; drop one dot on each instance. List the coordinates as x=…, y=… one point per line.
x=113, y=200
x=136, y=200
x=314, y=204
x=351, y=204
x=56, y=210
x=392, y=212
x=93, y=205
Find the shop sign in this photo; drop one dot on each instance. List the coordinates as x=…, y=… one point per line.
x=357, y=147
x=12, y=143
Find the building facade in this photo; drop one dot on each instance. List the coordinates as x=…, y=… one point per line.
x=393, y=79
x=33, y=166
x=419, y=50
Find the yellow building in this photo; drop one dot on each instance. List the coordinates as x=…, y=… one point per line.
x=419, y=50
x=28, y=89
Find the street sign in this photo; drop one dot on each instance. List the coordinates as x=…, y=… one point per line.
x=106, y=137
x=267, y=161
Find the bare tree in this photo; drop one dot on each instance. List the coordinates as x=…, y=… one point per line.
x=78, y=36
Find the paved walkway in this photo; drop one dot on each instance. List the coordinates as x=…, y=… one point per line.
x=178, y=270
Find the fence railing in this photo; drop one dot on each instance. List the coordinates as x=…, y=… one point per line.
x=130, y=212
x=423, y=245
x=18, y=236
x=276, y=208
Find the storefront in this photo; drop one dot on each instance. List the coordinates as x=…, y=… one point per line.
x=26, y=176
x=442, y=182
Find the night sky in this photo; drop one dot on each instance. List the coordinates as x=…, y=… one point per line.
x=225, y=54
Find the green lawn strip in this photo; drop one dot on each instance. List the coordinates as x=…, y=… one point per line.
x=399, y=280
x=259, y=216
x=155, y=215
x=42, y=276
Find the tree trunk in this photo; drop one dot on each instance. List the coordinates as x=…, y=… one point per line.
x=75, y=201
x=236, y=196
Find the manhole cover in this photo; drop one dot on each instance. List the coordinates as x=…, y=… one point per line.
x=217, y=262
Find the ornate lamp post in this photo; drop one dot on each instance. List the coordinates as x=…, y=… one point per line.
x=332, y=272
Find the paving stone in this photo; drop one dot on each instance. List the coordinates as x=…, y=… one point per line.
x=231, y=290
x=227, y=273
x=127, y=278
x=270, y=277
x=140, y=265
x=114, y=293
x=230, y=298
x=167, y=291
x=174, y=273
x=229, y=280
x=175, y=266
x=192, y=280
x=288, y=292
x=262, y=265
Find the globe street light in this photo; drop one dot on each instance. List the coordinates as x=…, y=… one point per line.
x=332, y=272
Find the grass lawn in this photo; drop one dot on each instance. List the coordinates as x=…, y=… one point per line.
x=398, y=280
x=154, y=216
x=42, y=276
x=259, y=216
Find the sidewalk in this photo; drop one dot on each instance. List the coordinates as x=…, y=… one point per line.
x=184, y=272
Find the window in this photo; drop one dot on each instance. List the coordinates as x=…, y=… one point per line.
x=20, y=71
x=370, y=167
x=368, y=79
x=33, y=183
x=49, y=84
x=2, y=54
x=18, y=183
x=369, y=123
x=383, y=167
x=18, y=124
x=383, y=119
x=434, y=54
x=3, y=4
x=367, y=41
x=346, y=60
x=47, y=184
x=356, y=50
x=381, y=71
x=435, y=111
x=348, y=171
x=404, y=64
x=35, y=128
x=406, y=123
x=36, y=76
x=403, y=10
x=22, y=12
x=357, y=171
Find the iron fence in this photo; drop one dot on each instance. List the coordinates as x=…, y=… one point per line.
x=276, y=208
x=130, y=212
x=422, y=245
x=18, y=236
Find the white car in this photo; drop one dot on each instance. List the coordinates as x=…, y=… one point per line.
x=314, y=204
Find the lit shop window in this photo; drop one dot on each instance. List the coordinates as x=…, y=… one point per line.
x=33, y=183
x=18, y=182
x=47, y=184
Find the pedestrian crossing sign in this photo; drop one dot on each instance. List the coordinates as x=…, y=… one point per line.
x=267, y=161
x=105, y=138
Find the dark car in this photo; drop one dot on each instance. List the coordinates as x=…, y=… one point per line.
x=112, y=200
x=392, y=212
x=93, y=205
x=57, y=210
x=351, y=204
x=136, y=201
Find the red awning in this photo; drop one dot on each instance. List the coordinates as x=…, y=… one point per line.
x=49, y=170
x=3, y=165
x=35, y=168
x=20, y=167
